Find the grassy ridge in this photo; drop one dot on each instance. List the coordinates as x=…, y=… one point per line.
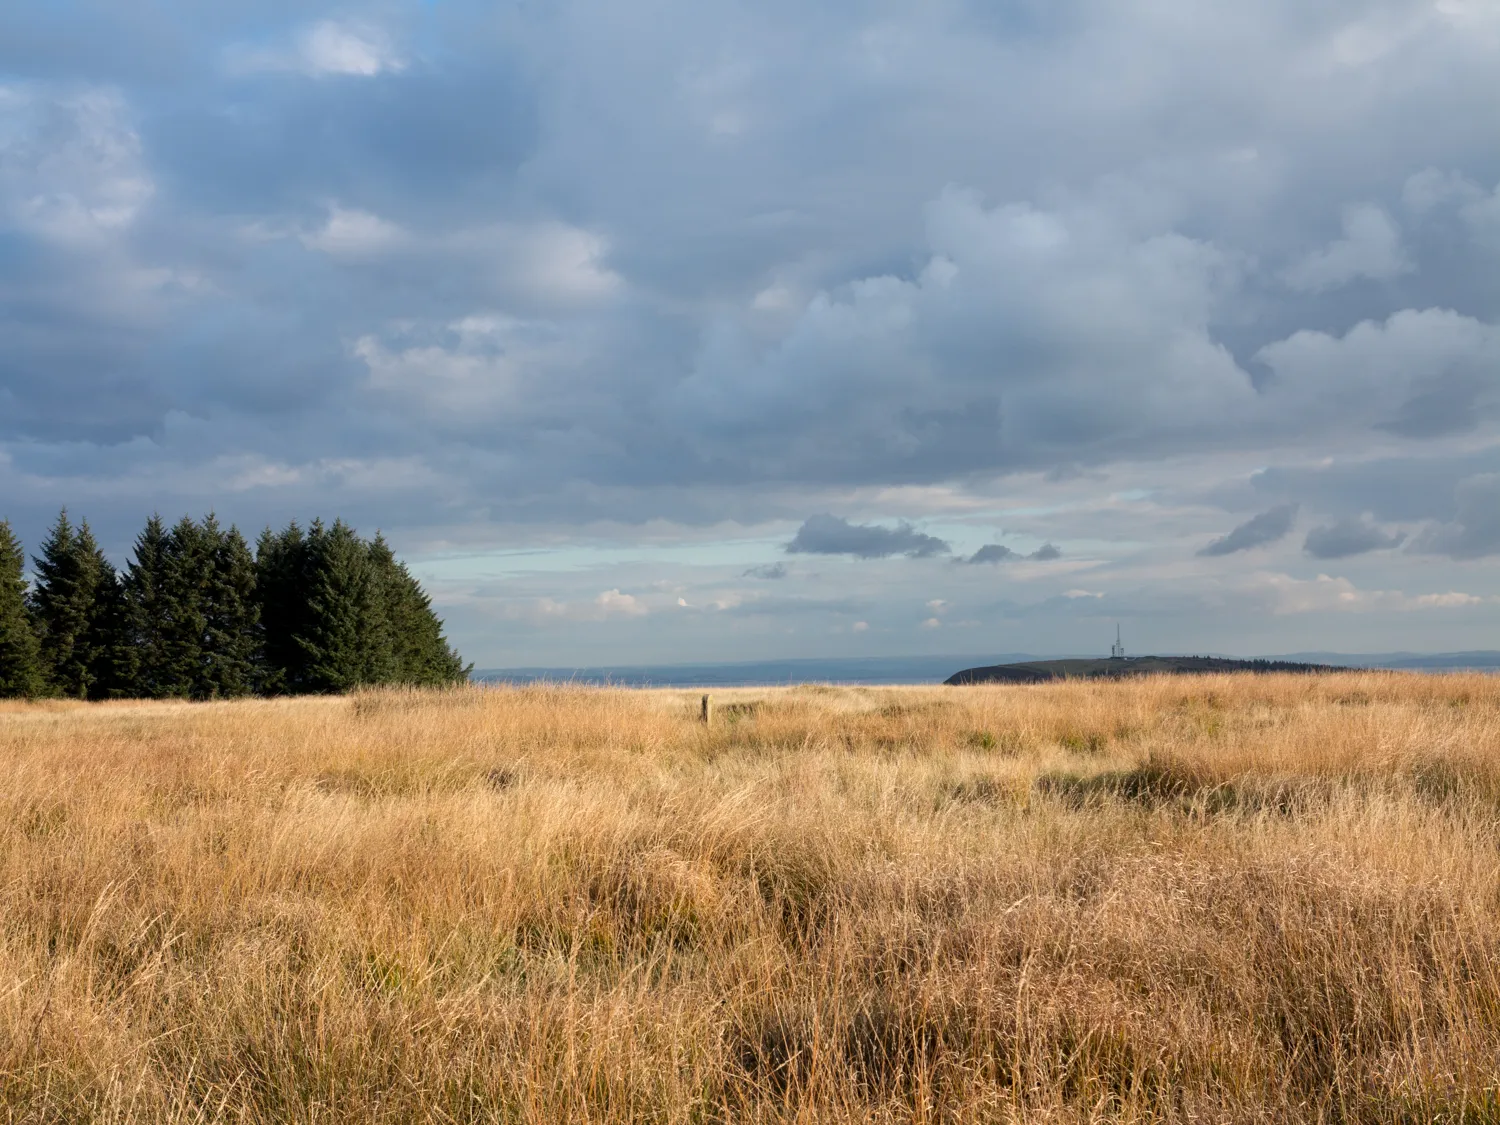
x=1217, y=898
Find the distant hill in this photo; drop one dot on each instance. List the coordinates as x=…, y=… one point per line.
x=1040, y=671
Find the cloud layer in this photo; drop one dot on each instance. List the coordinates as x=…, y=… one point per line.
x=568, y=285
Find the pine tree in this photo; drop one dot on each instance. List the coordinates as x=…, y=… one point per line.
x=60, y=605
x=231, y=642
x=80, y=615
x=421, y=654
x=147, y=609
x=111, y=656
x=335, y=639
x=337, y=613
x=281, y=577
x=20, y=656
x=379, y=626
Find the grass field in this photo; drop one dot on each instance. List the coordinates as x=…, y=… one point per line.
x=1207, y=899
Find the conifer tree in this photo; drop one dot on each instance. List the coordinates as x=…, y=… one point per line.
x=421, y=654
x=337, y=639
x=281, y=583
x=60, y=605
x=194, y=615
x=231, y=641
x=186, y=574
x=146, y=600
x=80, y=615
x=112, y=657
x=20, y=657
x=338, y=613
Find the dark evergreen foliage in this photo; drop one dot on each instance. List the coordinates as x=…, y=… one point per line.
x=79, y=612
x=342, y=640
x=281, y=583
x=341, y=613
x=20, y=655
x=147, y=600
x=232, y=635
x=192, y=610
x=421, y=653
x=196, y=616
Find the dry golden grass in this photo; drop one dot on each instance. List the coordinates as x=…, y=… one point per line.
x=1215, y=899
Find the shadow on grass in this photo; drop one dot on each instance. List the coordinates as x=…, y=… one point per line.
x=1170, y=785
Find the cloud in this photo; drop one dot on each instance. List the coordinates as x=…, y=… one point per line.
x=770, y=571
x=72, y=167
x=1349, y=537
x=991, y=553
x=1257, y=531
x=353, y=234
x=612, y=603
x=326, y=48
x=830, y=535
x=1474, y=532
x=997, y=552
x=1370, y=248
x=1420, y=374
x=1285, y=594
x=525, y=285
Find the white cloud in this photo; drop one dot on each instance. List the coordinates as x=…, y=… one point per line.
x=1420, y=373
x=1371, y=248
x=548, y=259
x=1325, y=594
x=72, y=168
x=331, y=48
x=351, y=233
x=323, y=49
x=477, y=369
x=612, y=603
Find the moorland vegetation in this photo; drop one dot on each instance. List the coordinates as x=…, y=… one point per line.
x=1220, y=898
x=196, y=615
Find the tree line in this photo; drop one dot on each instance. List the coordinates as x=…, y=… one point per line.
x=197, y=615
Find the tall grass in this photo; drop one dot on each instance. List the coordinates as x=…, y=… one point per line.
x=1207, y=899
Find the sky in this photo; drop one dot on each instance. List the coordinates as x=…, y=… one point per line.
x=689, y=330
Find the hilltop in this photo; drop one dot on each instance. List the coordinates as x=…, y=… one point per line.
x=1115, y=668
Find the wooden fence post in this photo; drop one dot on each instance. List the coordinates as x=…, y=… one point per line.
x=706, y=716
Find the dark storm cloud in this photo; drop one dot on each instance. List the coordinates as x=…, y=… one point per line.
x=830, y=535
x=1349, y=537
x=1257, y=531
x=998, y=552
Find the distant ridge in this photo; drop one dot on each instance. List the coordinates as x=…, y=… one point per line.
x=1121, y=667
